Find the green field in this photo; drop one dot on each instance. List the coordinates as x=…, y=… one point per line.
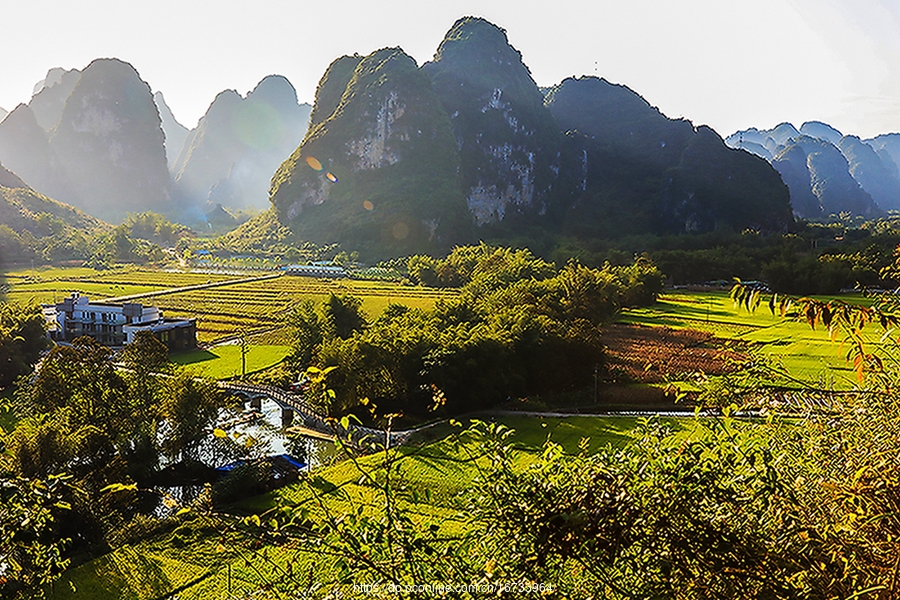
x=222, y=362
x=256, y=308
x=808, y=355
x=259, y=307
x=200, y=559
x=263, y=304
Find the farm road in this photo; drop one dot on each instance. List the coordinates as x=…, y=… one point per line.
x=188, y=288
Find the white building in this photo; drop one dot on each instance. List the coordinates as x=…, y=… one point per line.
x=317, y=270
x=116, y=324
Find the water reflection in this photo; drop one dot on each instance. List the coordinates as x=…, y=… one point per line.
x=265, y=425
x=269, y=427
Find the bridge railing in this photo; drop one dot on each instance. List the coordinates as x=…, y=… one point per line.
x=314, y=418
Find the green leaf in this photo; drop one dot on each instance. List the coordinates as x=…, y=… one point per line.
x=120, y=487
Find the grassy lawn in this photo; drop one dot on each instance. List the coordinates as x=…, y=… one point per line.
x=129, y=573
x=808, y=355
x=221, y=362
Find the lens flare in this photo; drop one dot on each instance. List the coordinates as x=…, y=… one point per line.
x=331, y=177
x=314, y=163
x=368, y=205
x=400, y=231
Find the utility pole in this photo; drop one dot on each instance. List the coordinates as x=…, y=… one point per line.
x=243, y=354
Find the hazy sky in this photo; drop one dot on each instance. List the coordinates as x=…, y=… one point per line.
x=727, y=63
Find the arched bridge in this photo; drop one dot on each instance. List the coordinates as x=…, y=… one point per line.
x=312, y=417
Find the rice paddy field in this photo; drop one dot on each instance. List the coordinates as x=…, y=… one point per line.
x=261, y=305
x=223, y=304
x=226, y=305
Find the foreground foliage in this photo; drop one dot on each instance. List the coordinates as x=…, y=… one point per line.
x=726, y=509
x=90, y=440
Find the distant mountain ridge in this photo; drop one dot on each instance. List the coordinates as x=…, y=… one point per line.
x=467, y=146
x=887, y=146
x=95, y=143
x=229, y=158
x=110, y=144
x=829, y=172
x=405, y=158
x=25, y=149
x=353, y=178
x=51, y=94
x=632, y=169
x=507, y=139
x=99, y=139
x=21, y=207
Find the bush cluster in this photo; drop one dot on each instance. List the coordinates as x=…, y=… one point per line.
x=518, y=327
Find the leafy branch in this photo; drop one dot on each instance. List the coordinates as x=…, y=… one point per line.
x=839, y=318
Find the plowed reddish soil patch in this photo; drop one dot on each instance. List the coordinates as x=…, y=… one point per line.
x=656, y=354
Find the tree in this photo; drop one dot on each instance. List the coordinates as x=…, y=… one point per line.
x=343, y=315
x=145, y=355
x=147, y=362
x=189, y=407
x=81, y=379
x=307, y=327
x=31, y=550
x=22, y=338
x=422, y=269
